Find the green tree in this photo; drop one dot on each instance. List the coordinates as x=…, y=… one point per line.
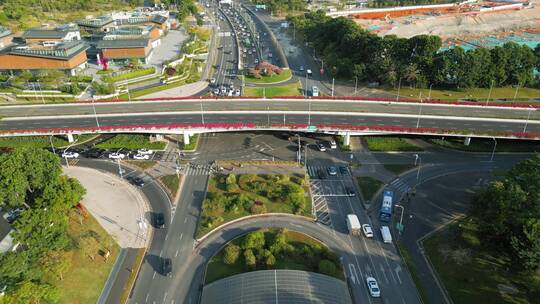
x=32, y=293
x=231, y=183
x=527, y=246
x=90, y=246
x=57, y=262
x=270, y=261
x=232, y=252
x=250, y=259
x=22, y=79
x=254, y=240
x=327, y=267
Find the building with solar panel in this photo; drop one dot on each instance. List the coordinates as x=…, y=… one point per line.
x=277, y=286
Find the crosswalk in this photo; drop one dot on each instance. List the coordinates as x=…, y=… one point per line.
x=399, y=187
x=197, y=169
x=169, y=156
x=315, y=171
x=320, y=203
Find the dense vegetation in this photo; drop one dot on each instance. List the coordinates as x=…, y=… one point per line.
x=30, y=12
x=349, y=51
x=31, y=180
x=389, y=3
x=273, y=249
x=283, y=6
x=230, y=196
x=508, y=214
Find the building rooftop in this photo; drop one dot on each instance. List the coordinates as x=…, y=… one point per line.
x=50, y=31
x=132, y=30
x=159, y=19
x=4, y=31
x=123, y=43
x=277, y=286
x=95, y=22
x=6, y=242
x=64, y=51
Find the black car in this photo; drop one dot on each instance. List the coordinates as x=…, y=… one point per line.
x=350, y=191
x=137, y=181
x=94, y=153
x=159, y=220
x=166, y=266
x=320, y=174
x=343, y=171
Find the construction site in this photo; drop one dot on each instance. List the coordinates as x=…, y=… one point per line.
x=469, y=24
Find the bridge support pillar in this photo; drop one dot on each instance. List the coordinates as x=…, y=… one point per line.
x=347, y=139
x=186, y=138
x=70, y=138
x=159, y=137
x=467, y=141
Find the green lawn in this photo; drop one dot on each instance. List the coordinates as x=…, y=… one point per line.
x=248, y=194
x=40, y=141
x=477, y=93
x=284, y=76
x=471, y=271
x=172, y=182
x=398, y=168
x=129, y=75
x=131, y=142
x=368, y=186
x=487, y=145
x=285, y=90
x=379, y=143
x=83, y=282
x=193, y=142
x=413, y=271
x=293, y=259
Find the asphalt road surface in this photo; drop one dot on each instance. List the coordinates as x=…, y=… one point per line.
x=267, y=105
x=260, y=119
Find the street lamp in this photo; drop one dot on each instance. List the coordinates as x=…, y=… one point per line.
x=429, y=94
x=489, y=95
x=402, y=211
x=52, y=146
x=332, y=86
x=309, y=114
x=65, y=156
x=419, y=111
x=515, y=95
x=355, y=84
x=528, y=117
x=398, y=89
x=120, y=170
x=306, y=89
x=202, y=112
x=419, y=166
x=494, y=147
x=95, y=113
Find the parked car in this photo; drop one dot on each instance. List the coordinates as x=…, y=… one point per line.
x=321, y=147
x=368, y=232
x=117, y=155
x=94, y=153
x=166, y=267
x=333, y=144
x=145, y=152
x=350, y=191
x=141, y=156
x=69, y=154
x=343, y=171
x=309, y=72
x=373, y=287
x=159, y=220
x=212, y=81
x=12, y=215
x=314, y=91
x=237, y=92
x=301, y=68
x=332, y=170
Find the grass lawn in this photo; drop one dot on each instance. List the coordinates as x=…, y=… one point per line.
x=471, y=271
x=480, y=94
x=84, y=280
x=133, y=275
x=142, y=164
x=294, y=260
x=40, y=141
x=284, y=76
x=172, y=182
x=285, y=90
x=233, y=196
x=398, y=168
x=131, y=142
x=486, y=145
x=368, y=186
x=130, y=75
x=193, y=142
x=379, y=143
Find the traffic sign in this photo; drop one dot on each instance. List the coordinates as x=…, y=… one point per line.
x=400, y=227
x=312, y=128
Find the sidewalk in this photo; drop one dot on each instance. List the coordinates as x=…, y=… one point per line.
x=117, y=206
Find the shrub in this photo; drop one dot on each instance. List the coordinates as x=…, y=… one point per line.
x=254, y=240
x=232, y=252
x=257, y=209
x=327, y=267
x=250, y=259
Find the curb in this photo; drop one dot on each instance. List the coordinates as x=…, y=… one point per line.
x=244, y=218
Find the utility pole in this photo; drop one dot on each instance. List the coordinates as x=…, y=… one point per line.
x=332, y=86
x=489, y=95
x=494, y=147
x=528, y=117
x=355, y=84
x=420, y=111
x=398, y=89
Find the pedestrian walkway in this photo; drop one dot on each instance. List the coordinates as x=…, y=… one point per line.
x=320, y=203
x=198, y=169
x=181, y=91
x=399, y=187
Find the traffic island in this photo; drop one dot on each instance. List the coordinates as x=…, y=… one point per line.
x=273, y=249
x=257, y=77
x=232, y=196
x=292, y=89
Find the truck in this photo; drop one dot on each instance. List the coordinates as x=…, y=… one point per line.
x=385, y=214
x=353, y=224
x=386, y=235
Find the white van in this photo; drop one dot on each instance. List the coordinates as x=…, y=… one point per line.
x=333, y=144
x=386, y=235
x=315, y=91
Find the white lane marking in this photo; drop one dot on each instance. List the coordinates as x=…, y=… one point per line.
x=146, y=299
x=354, y=275
x=185, y=220
x=176, y=254
x=181, y=235
x=384, y=274
x=154, y=276
x=398, y=270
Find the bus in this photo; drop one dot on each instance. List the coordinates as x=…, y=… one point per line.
x=386, y=206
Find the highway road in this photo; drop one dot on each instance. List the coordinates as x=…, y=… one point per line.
x=268, y=105
x=268, y=118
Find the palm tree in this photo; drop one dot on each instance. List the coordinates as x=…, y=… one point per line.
x=411, y=74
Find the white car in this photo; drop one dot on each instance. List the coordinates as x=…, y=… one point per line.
x=117, y=155
x=373, y=287
x=145, y=151
x=321, y=147
x=315, y=91
x=237, y=92
x=141, y=156
x=368, y=232
x=309, y=72
x=70, y=155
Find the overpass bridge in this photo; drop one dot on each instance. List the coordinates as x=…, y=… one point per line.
x=341, y=116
